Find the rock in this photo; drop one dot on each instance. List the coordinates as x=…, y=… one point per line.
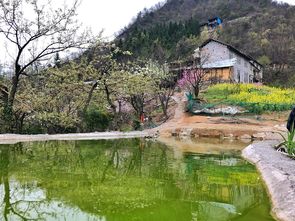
x=185, y=132
x=153, y=135
x=273, y=136
x=229, y=136
x=157, y=133
x=221, y=110
x=259, y=136
x=195, y=133
x=246, y=137
x=174, y=133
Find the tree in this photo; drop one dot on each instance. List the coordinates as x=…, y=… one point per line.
x=111, y=74
x=138, y=88
x=37, y=31
x=185, y=47
x=164, y=82
x=193, y=80
x=57, y=99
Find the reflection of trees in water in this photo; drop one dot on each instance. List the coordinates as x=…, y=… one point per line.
x=224, y=179
x=20, y=208
x=124, y=175
x=113, y=161
x=65, y=168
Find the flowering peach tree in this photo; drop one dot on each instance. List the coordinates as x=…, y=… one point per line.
x=192, y=81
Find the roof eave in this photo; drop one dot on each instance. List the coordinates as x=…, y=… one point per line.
x=230, y=47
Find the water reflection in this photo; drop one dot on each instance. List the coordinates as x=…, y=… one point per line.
x=126, y=180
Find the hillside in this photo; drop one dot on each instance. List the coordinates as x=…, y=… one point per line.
x=260, y=28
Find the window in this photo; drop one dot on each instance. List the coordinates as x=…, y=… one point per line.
x=238, y=76
x=246, y=63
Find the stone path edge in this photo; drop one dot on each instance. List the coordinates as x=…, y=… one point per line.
x=16, y=138
x=278, y=173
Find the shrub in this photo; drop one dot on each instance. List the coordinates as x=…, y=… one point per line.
x=288, y=143
x=96, y=120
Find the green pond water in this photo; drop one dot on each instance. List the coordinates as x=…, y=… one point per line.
x=127, y=180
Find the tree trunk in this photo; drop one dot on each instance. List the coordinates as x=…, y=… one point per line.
x=20, y=123
x=164, y=104
x=6, y=197
x=113, y=106
x=196, y=92
x=8, y=109
x=90, y=94
x=4, y=157
x=137, y=102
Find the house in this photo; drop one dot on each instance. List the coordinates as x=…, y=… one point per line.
x=225, y=63
x=212, y=23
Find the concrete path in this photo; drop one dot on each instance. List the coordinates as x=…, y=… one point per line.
x=15, y=138
x=278, y=172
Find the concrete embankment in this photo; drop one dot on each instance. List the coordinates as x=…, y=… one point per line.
x=223, y=131
x=15, y=138
x=278, y=172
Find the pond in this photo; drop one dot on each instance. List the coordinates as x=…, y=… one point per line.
x=129, y=180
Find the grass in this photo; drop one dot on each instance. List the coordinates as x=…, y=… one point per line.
x=255, y=98
x=288, y=144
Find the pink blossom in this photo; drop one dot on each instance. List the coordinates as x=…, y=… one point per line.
x=191, y=79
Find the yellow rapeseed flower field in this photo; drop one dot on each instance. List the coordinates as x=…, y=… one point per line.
x=256, y=98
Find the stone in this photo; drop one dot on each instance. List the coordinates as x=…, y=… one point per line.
x=223, y=110
x=229, y=136
x=246, y=137
x=195, y=133
x=185, y=132
x=174, y=133
x=259, y=136
x=273, y=136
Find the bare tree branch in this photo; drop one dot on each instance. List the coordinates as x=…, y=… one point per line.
x=44, y=32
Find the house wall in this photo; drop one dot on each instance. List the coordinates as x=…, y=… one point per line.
x=242, y=71
x=258, y=71
x=213, y=52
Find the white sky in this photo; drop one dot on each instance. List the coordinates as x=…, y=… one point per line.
x=291, y=2
x=111, y=15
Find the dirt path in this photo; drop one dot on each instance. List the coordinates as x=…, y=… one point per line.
x=242, y=127
x=178, y=115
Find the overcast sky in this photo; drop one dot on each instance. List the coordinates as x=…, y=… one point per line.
x=111, y=15
x=291, y=2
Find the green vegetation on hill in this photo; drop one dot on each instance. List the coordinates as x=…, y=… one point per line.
x=161, y=42
x=263, y=29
